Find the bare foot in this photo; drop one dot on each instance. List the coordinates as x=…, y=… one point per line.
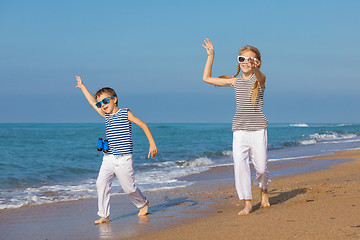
x=247, y=209
x=264, y=199
x=144, y=210
x=102, y=220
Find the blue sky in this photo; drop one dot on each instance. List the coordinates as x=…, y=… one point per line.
x=150, y=53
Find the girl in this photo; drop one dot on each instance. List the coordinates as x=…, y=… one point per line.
x=118, y=161
x=249, y=123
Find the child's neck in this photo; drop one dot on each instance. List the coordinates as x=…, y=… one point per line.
x=246, y=76
x=115, y=110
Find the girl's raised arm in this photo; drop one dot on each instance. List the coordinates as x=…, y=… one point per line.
x=88, y=95
x=208, y=66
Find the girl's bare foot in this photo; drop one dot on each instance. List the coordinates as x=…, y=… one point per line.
x=247, y=209
x=144, y=210
x=102, y=220
x=264, y=198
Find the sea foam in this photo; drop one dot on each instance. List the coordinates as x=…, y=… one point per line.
x=299, y=125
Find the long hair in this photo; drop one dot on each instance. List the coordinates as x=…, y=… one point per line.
x=254, y=92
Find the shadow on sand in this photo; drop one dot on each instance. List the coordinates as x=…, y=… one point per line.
x=281, y=197
x=169, y=203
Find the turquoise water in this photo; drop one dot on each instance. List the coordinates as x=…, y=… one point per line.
x=42, y=163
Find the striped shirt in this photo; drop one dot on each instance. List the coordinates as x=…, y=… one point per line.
x=118, y=132
x=248, y=117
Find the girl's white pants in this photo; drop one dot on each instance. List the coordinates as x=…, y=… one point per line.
x=120, y=166
x=250, y=145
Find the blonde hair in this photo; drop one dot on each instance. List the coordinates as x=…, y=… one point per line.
x=254, y=92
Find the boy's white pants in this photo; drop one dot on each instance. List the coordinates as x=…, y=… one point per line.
x=250, y=145
x=120, y=166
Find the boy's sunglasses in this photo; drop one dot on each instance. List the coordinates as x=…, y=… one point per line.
x=104, y=101
x=242, y=59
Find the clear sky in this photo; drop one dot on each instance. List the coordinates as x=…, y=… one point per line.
x=150, y=53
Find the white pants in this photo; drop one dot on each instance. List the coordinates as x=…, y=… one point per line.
x=253, y=145
x=120, y=166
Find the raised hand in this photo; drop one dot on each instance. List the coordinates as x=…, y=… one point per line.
x=79, y=82
x=209, y=47
x=254, y=62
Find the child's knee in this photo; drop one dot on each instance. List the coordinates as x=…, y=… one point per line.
x=101, y=184
x=130, y=189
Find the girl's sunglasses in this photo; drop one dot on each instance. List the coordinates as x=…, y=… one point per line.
x=242, y=59
x=104, y=101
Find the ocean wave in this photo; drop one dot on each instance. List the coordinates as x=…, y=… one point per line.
x=325, y=137
x=290, y=158
x=48, y=194
x=307, y=142
x=299, y=125
x=151, y=179
x=202, y=161
x=331, y=136
x=227, y=153
x=344, y=125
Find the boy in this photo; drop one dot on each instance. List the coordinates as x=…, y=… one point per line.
x=119, y=160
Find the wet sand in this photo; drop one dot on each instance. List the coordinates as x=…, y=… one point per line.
x=324, y=204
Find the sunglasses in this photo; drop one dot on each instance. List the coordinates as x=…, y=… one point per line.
x=104, y=101
x=242, y=59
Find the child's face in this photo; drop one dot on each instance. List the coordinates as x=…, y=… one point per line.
x=109, y=108
x=245, y=66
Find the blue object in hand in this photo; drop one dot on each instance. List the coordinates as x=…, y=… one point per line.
x=100, y=145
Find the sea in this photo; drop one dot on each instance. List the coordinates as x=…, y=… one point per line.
x=48, y=162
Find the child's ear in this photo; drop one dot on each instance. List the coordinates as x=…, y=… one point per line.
x=116, y=100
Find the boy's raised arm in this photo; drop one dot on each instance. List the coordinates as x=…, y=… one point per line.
x=88, y=95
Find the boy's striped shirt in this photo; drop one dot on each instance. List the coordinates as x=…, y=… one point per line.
x=118, y=132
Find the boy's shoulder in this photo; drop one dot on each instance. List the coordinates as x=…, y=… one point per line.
x=123, y=110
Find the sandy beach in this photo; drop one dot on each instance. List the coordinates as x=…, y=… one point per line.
x=317, y=205
x=322, y=204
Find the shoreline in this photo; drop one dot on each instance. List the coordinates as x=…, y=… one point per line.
x=172, y=210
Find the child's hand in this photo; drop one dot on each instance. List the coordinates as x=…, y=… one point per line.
x=254, y=63
x=79, y=82
x=152, y=151
x=209, y=47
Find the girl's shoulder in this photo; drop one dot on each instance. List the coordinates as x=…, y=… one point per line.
x=125, y=109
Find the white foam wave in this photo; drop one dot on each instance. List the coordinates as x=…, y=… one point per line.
x=156, y=178
x=299, y=125
x=331, y=136
x=290, y=158
x=49, y=194
x=203, y=161
x=308, y=142
x=227, y=153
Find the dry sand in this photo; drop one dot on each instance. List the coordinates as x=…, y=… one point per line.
x=317, y=205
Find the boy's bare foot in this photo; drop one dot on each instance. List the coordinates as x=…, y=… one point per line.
x=247, y=209
x=102, y=220
x=144, y=210
x=264, y=199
